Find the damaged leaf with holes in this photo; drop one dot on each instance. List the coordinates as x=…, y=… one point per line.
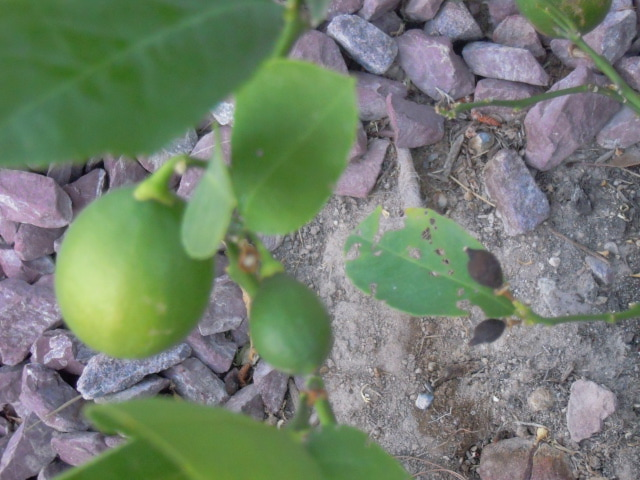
x=420, y=268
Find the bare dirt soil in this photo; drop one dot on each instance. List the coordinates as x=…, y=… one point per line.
x=382, y=358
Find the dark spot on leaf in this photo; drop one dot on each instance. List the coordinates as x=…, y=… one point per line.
x=487, y=331
x=451, y=272
x=484, y=268
x=439, y=251
x=435, y=274
x=432, y=221
x=426, y=234
x=446, y=261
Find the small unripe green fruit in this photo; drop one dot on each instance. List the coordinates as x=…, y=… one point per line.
x=290, y=327
x=124, y=283
x=586, y=14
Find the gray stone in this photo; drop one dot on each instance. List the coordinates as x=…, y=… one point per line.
x=621, y=131
x=372, y=94
x=455, y=22
x=104, y=374
x=516, y=31
x=179, y=146
x=52, y=470
x=319, y=48
x=272, y=385
x=32, y=242
x=491, y=60
x=148, y=387
x=602, y=270
x=422, y=10
x=611, y=39
x=589, y=404
x=372, y=9
x=39, y=267
x=492, y=88
x=231, y=381
x=361, y=175
x=44, y=391
x=272, y=242
x=629, y=69
x=247, y=401
x=193, y=381
x=224, y=112
x=556, y=128
x=76, y=448
x=500, y=9
x=341, y=7
x=123, y=171
x=414, y=125
x=215, y=351
x=226, y=308
x=86, y=189
x=367, y=44
x=520, y=202
x=28, y=451
x=432, y=65
x=26, y=311
x=27, y=197
x=10, y=383
x=57, y=349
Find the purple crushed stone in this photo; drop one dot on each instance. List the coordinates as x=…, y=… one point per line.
x=44, y=391
x=28, y=451
x=86, y=189
x=76, y=448
x=26, y=311
x=319, y=48
x=27, y=197
x=123, y=171
x=417, y=55
x=360, y=176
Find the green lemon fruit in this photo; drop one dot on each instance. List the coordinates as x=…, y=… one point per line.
x=290, y=327
x=586, y=14
x=124, y=283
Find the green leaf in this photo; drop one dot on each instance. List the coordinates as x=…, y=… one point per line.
x=80, y=78
x=134, y=460
x=420, y=269
x=318, y=10
x=345, y=453
x=208, y=213
x=294, y=126
x=205, y=442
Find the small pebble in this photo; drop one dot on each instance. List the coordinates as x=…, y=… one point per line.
x=424, y=400
x=541, y=399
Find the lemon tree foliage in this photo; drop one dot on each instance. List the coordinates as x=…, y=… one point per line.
x=209, y=211
x=294, y=126
x=346, y=453
x=584, y=14
x=420, y=268
x=83, y=78
x=196, y=442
